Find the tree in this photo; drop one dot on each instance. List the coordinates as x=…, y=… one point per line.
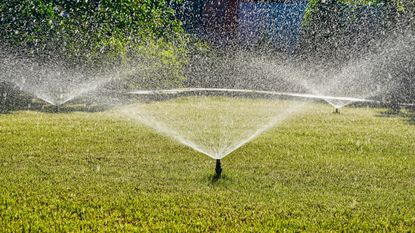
x=96, y=33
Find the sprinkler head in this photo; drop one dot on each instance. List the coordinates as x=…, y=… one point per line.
x=218, y=170
x=337, y=111
x=56, y=108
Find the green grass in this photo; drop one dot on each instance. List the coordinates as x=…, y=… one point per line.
x=319, y=172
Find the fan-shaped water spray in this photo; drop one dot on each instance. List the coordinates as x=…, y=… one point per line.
x=338, y=86
x=214, y=122
x=54, y=83
x=214, y=125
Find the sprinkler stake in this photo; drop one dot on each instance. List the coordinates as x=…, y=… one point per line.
x=218, y=169
x=56, y=108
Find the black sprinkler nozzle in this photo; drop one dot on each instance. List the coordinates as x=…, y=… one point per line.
x=56, y=108
x=337, y=111
x=218, y=169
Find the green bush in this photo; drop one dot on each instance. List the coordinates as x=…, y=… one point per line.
x=314, y=5
x=96, y=33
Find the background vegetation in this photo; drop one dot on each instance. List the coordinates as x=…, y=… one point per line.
x=95, y=33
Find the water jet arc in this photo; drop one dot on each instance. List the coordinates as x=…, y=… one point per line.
x=274, y=93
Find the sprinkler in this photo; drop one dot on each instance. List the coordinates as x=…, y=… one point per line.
x=60, y=101
x=337, y=111
x=218, y=169
x=56, y=108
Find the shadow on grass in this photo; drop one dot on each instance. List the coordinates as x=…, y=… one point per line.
x=7, y=107
x=3, y=112
x=411, y=119
x=216, y=181
x=10, y=110
x=408, y=115
x=70, y=108
x=56, y=109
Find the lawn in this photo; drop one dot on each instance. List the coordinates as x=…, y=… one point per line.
x=317, y=172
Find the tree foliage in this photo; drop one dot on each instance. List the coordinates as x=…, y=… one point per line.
x=93, y=32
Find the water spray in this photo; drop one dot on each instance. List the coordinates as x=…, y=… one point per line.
x=218, y=170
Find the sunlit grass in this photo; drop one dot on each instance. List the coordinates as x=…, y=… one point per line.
x=321, y=171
